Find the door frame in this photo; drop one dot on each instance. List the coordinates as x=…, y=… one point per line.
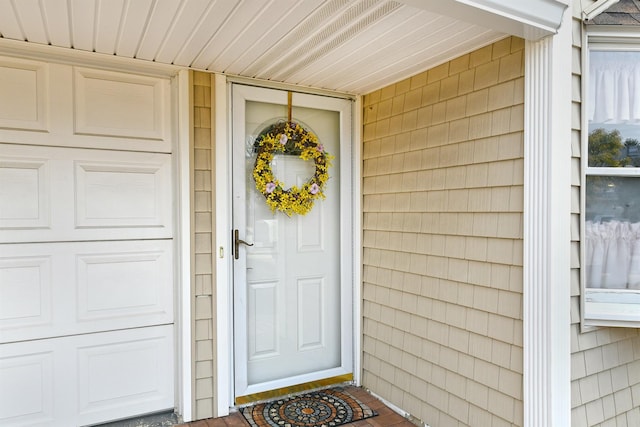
x=222, y=117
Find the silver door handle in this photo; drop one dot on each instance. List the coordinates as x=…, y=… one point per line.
x=236, y=243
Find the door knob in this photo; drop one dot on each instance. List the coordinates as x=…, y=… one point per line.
x=236, y=243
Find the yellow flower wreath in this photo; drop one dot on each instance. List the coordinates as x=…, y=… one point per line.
x=290, y=138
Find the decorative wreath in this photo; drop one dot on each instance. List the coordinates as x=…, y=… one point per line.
x=290, y=138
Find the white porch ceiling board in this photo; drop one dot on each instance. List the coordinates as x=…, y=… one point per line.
x=295, y=35
x=9, y=26
x=55, y=15
x=369, y=50
x=412, y=52
x=212, y=21
x=158, y=26
x=235, y=29
x=186, y=20
x=353, y=24
x=83, y=15
x=132, y=28
x=262, y=39
x=463, y=42
x=30, y=16
x=347, y=45
x=109, y=21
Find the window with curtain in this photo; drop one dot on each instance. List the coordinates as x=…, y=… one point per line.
x=611, y=186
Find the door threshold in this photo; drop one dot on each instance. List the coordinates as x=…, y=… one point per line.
x=250, y=399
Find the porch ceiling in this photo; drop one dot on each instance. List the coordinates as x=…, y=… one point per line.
x=343, y=45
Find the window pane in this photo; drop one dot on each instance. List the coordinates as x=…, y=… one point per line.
x=612, y=232
x=614, y=109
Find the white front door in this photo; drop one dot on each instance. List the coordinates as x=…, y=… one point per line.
x=292, y=287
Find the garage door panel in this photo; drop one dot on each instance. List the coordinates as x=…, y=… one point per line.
x=60, y=289
x=114, y=195
x=24, y=88
x=125, y=373
x=120, y=194
x=87, y=263
x=86, y=379
x=126, y=285
x=120, y=105
x=24, y=193
x=25, y=291
x=26, y=388
x=62, y=105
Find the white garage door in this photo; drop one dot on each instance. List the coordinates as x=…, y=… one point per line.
x=86, y=245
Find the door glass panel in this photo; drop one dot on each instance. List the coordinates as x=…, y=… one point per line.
x=293, y=269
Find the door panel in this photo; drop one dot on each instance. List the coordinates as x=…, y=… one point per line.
x=86, y=245
x=57, y=289
x=85, y=379
x=291, y=287
x=57, y=194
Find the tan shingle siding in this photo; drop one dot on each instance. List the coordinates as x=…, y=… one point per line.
x=203, y=257
x=605, y=362
x=443, y=240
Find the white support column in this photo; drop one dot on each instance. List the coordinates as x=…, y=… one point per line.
x=547, y=238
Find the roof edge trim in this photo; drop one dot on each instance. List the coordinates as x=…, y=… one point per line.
x=529, y=19
x=596, y=9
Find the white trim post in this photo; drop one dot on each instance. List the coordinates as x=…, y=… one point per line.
x=547, y=236
x=185, y=244
x=222, y=250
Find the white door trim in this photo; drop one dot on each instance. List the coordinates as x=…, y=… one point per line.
x=223, y=387
x=223, y=283
x=183, y=245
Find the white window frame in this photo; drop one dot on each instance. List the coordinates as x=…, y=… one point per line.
x=604, y=307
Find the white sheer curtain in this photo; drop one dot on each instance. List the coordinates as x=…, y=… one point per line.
x=613, y=255
x=614, y=87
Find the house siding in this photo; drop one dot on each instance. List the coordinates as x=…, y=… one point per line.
x=202, y=240
x=442, y=240
x=605, y=362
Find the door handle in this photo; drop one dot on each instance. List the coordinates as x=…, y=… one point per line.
x=236, y=243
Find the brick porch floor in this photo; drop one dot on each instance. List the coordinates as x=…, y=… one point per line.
x=385, y=418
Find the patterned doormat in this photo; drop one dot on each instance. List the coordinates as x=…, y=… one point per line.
x=323, y=408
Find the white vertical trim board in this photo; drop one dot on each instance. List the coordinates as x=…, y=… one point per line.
x=356, y=172
x=184, y=159
x=547, y=186
x=223, y=285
